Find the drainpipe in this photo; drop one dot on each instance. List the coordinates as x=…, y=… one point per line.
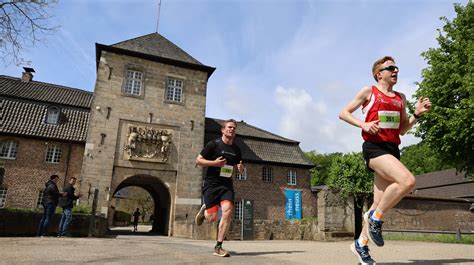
x=67, y=164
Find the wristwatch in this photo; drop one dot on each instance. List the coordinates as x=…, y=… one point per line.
x=416, y=116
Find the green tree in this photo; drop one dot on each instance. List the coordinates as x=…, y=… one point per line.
x=21, y=25
x=319, y=173
x=348, y=175
x=448, y=81
x=420, y=159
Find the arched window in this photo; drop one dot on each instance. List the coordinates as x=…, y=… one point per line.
x=52, y=116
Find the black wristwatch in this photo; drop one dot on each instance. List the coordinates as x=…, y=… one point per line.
x=416, y=116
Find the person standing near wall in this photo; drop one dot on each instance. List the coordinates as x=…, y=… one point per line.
x=67, y=205
x=51, y=196
x=221, y=156
x=385, y=120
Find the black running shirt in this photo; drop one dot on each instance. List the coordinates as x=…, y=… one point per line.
x=213, y=150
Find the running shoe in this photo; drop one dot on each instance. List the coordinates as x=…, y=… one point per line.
x=362, y=253
x=199, y=219
x=374, y=229
x=219, y=251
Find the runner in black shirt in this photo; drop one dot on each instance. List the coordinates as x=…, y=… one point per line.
x=221, y=157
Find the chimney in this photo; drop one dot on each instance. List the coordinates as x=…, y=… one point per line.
x=27, y=75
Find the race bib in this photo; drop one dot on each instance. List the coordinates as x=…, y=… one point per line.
x=226, y=171
x=389, y=119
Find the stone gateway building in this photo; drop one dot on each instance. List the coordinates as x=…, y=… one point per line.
x=143, y=126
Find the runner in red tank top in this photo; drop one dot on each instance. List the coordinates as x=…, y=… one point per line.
x=385, y=120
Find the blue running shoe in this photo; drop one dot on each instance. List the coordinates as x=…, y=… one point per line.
x=374, y=229
x=362, y=253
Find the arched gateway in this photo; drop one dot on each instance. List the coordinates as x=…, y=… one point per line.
x=161, y=198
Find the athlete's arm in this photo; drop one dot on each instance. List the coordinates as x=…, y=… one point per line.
x=346, y=114
x=219, y=162
x=422, y=105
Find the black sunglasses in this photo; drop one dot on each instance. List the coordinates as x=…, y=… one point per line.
x=390, y=68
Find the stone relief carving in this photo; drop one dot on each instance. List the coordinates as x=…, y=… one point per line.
x=146, y=143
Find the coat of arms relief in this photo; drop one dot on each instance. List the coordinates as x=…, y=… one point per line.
x=148, y=144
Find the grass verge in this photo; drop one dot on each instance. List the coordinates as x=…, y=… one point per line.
x=442, y=238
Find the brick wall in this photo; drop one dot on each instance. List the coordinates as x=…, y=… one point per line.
x=26, y=175
x=269, y=198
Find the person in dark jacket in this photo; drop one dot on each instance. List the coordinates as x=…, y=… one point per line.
x=51, y=196
x=67, y=203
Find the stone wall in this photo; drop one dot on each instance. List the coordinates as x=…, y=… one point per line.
x=19, y=223
x=26, y=175
x=424, y=213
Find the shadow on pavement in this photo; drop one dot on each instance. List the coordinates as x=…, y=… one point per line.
x=129, y=232
x=262, y=253
x=431, y=262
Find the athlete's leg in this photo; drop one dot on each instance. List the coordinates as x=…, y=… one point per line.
x=401, y=180
x=227, y=210
x=380, y=184
x=211, y=214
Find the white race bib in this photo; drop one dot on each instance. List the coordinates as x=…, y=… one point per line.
x=389, y=119
x=226, y=171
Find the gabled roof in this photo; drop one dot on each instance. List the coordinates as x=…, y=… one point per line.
x=39, y=91
x=445, y=184
x=260, y=146
x=157, y=48
x=155, y=44
x=25, y=104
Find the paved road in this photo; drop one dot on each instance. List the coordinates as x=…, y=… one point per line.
x=140, y=248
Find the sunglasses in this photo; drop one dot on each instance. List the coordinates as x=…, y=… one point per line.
x=390, y=68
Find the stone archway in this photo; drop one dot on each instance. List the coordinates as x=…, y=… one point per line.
x=161, y=197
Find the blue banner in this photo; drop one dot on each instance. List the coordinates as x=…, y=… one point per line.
x=293, y=204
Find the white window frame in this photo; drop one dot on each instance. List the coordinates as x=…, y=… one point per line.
x=291, y=179
x=267, y=174
x=52, y=115
x=238, y=210
x=242, y=176
x=175, y=90
x=3, y=197
x=39, y=201
x=133, y=83
x=8, y=149
x=53, y=154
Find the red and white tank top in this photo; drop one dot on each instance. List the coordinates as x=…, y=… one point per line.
x=388, y=110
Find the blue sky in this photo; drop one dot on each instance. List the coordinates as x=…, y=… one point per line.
x=286, y=66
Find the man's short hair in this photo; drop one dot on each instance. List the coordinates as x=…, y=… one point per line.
x=375, y=67
x=224, y=123
x=53, y=177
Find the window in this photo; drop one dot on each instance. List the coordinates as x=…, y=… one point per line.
x=8, y=149
x=239, y=210
x=53, y=154
x=291, y=177
x=39, y=202
x=242, y=176
x=174, y=91
x=133, y=83
x=267, y=175
x=3, y=197
x=52, y=116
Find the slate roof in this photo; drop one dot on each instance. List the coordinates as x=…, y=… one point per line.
x=155, y=47
x=155, y=44
x=444, y=184
x=25, y=104
x=260, y=146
